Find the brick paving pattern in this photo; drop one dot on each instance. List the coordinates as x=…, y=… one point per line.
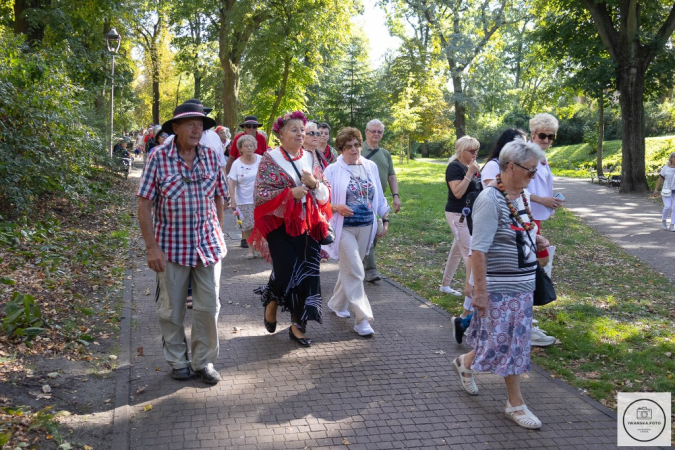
x=394, y=390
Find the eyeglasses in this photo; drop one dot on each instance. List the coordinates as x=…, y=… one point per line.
x=375, y=131
x=255, y=127
x=351, y=146
x=543, y=136
x=473, y=152
x=531, y=172
x=314, y=133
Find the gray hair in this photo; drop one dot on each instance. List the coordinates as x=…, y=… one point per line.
x=543, y=121
x=520, y=152
x=246, y=138
x=311, y=123
x=374, y=122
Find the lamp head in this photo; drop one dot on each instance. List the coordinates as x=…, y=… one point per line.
x=113, y=39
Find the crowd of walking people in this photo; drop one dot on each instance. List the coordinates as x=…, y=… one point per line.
x=304, y=201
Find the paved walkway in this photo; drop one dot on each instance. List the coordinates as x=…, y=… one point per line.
x=395, y=390
x=633, y=221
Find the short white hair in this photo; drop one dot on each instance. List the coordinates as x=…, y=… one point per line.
x=311, y=124
x=543, y=121
x=520, y=152
x=374, y=122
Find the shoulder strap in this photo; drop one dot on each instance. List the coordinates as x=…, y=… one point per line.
x=372, y=153
x=292, y=163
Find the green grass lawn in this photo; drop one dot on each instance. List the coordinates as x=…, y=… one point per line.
x=614, y=315
x=575, y=160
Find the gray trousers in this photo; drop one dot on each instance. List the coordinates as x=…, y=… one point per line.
x=369, y=260
x=172, y=288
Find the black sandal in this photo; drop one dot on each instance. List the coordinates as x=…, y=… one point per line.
x=270, y=326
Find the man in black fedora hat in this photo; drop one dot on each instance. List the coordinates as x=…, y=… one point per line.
x=180, y=211
x=209, y=137
x=250, y=126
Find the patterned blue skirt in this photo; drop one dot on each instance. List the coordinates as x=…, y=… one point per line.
x=502, y=338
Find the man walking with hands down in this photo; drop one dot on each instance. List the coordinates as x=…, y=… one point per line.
x=180, y=210
x=382, y=158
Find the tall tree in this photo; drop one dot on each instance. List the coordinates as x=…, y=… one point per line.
x=191, y=25
x=151, y=23
x=237, y=22
x=464, y=28
x=634, y=33
x=30, y=19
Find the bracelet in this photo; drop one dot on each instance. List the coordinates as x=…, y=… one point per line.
x=395, y=195
x=467, y=178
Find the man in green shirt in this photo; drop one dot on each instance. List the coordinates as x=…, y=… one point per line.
x=382, y=158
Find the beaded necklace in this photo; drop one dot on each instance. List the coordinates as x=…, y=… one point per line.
x=285, y=153
x=514, y=212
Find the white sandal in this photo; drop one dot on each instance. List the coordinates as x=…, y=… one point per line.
x=526, y=420
x=465, y=376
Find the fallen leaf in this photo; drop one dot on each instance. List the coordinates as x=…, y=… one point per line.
x=592, y=375
x=345, y=441
x=108, y=400
x=439, y=352
x=113, y=357
x=140, y=389
x=53, y=375
x=147, y=291
x=158, y=369
x=139, y=351
x=86, y=447
x=46, y=389
x=236, y=329
x=147, y=407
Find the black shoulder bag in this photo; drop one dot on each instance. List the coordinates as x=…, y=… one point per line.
x=329, y=238
x=544, y=293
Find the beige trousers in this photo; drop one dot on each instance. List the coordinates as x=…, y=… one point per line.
x=460, y=246
x=172, y=287
x=349, y=286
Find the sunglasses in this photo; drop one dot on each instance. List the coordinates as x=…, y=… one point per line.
x=314, y=133
x=531, y=172
x=473, y=152
x=543, y=136
x=255, y=127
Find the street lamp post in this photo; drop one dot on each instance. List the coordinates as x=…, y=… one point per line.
x=112, y=40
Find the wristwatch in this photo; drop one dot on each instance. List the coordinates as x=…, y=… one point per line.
x=395, y=195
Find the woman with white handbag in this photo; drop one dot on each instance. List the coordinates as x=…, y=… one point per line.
x=667, y=176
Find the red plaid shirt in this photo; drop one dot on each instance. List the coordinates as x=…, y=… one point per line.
x=185, y=218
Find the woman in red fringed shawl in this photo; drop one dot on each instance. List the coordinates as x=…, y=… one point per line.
x=291, y=217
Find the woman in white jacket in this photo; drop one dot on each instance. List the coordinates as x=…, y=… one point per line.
x=356, y=200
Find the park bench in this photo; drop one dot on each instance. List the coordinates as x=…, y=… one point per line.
x=606, y=176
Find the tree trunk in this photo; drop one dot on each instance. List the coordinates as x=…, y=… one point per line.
x=154, y=64
x=280, y=94
x=230, y=93
x=33, y=29
x=601, y=131
x=198, y=84
x=460, y=111
x=631, y=81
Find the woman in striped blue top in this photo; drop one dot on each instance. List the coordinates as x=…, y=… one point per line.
x=504, y=265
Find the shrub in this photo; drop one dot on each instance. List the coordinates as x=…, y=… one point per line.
x=46, y=143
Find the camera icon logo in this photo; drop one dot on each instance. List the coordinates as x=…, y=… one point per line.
x=643, y=413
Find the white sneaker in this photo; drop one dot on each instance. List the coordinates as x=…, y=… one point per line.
x=449, y=290
x=344, y=314
x=664, y=225
x=540, y=339
x=364, y=328
x=672, y=227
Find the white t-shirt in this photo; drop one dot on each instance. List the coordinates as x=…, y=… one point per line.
x=209, y=139
x=244, y=177
x=489, y=172
x=541, y=185
x=668, y=173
